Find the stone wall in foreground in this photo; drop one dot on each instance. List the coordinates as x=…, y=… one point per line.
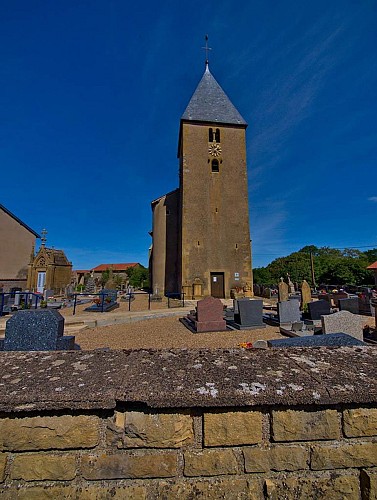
x=59, y=445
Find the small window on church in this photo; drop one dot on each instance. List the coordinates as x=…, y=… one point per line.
x=217, y=135
x=210, y=135
x=215, y=165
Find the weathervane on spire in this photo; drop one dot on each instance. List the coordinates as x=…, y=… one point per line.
x=206, y=48
x=43, y=239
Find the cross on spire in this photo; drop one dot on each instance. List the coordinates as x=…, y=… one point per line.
x=207, y=49
x=43, y=239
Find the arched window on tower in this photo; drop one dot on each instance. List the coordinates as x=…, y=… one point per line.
x=217, y=135
x=210, y=135
x=215, y=165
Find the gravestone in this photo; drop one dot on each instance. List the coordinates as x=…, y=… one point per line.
x=332, y=340
x=208, y=317
x=17, y=298
x=90, y=286
x=351, y=304
x=343, y=321
x=267, y=293
x=318, y=308
x=36, y=330
x=47, y=294
x=289, y=311
x=290, y=284
x=249, y=315
x=107, y=301
x=283, y=293
x=306, y=294
x=256, y=290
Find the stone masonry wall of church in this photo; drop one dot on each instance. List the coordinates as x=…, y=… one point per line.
x=215, y=214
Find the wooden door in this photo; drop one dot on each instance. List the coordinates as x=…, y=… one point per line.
x=217, y=285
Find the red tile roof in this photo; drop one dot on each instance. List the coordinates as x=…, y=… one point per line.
x=373, y=266
x=115, y=267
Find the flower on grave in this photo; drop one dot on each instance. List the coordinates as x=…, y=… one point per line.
x=108, y=300
x=246, y=345
x=97, y=301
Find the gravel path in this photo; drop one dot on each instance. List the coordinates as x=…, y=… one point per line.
x=165, y=333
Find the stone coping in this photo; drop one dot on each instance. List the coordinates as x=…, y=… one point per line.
x=182, y=378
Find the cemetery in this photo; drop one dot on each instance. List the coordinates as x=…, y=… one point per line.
x=207, y=383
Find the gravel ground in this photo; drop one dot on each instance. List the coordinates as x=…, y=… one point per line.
x=164, y=333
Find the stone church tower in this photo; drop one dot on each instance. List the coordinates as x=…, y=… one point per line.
x=201, y=236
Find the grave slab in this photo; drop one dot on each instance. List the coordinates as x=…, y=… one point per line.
x=249, y=315
x=209, y=316
x=289, y=311
x=318, y=308
x=330, y=340
x=351, y=304
x=343, y=321
x=36, y=330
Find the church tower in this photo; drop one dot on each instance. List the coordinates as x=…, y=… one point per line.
x=214, y=214
x=201, y=236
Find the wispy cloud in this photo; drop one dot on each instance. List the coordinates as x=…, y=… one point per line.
x=373, y=198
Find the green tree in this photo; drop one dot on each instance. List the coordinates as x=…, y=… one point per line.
x=105, y=277
x=332, y=266
x=138, y=276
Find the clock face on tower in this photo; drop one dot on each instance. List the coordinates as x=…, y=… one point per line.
x=214, y=149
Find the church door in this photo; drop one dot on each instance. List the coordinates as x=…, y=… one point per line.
x=41, y=282
x=217, y=285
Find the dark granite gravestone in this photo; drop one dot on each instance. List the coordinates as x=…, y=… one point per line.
x=318, y=308
x=249, y=315
x=289, y=311
x=209, y=316
x=351, y=304
x=329, y=340
x=36, y=330
x=107, y=301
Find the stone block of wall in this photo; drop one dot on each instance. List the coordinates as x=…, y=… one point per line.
x=360, y=422
x=46, y=433
x=210, y=462
x=42, y=466
x=291, y=425
x=230, y=489
x=152, y=430
x=128, y=465
x=343, y=455
x=334, y=488
x=232, y=428
x=276, y=458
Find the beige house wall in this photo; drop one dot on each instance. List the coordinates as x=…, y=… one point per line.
x=16, y=244
x=215, y=213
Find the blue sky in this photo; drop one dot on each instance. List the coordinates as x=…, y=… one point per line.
x=92, y=93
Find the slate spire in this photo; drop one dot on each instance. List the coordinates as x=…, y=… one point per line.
x=209, y=103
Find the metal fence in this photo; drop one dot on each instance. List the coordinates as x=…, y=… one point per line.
x=12, y=301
